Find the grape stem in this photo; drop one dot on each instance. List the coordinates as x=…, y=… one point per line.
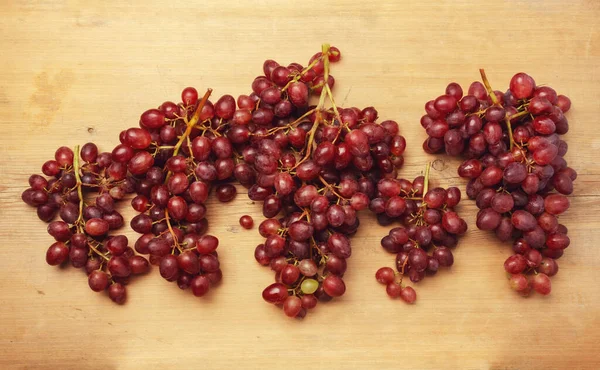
x=319, y=108
x=193, y=121
x=299, y=75
x=289, y=125
x=330, y=187
x=402, y=270
x=190, y=126
x=426, y=179
x=492, y=95
x=92, y=247
x=79, y=222
x=168, y=220
x=78, y=183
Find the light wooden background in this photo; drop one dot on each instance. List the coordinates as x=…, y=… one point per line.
x=75, y=71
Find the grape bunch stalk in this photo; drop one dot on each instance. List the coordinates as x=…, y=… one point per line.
x=517, y=175
x=82, y=233
x=430, y=224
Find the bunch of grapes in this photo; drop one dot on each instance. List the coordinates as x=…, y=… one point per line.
x=515, y=166
x=316, y=167
x=431, y=224
x=82, y=233
x=175, y=164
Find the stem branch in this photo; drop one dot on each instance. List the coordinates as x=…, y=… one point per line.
x=492, y=95
x=79, y=221
x=426, y=179
x=192, y=122
x=168, y=220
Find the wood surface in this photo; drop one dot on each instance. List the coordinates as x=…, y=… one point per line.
x=78, y=71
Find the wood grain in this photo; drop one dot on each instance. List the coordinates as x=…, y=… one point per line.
x=75, y=71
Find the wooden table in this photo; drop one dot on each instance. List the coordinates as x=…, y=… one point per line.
x=77, y=71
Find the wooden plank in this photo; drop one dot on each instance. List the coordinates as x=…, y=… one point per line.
x=73, y=71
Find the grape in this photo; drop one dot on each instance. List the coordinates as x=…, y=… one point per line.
x=309, y=286
x=307, y=267
x=117, y=293
x=515, y=173
x=64, y=156
x=358, y=143
x=168, y=268
x=522, y=86
x=275, y=293
x=548, y=266
x=557, y=241
x=523, y=220
x=334, y=286
x=152, y=118
x=246, y=222
x=200, y=285
x=139, y=265
x=541, y=283
x=393, y=290
x=261, y=255
x=209, y=263
x=339, y=245
x=226, y=192
x=488, y=219
x=188, y=262
x=289, y=274
x=336, y=265
x=60, y=231
x=408, y=294
x=57, y=254
x=292, y=306
x=564, y=103
x=98, y=280
x=385, y=275
x=556, y=204
x=515, y=264
x=435, y=198
x=518, y=282
x=119, y=266
x=309, y=301
x=443, y=255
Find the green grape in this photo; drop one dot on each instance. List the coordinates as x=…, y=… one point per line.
x=309, y=286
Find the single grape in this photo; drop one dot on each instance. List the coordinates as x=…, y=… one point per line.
x=309, y=286
x=117, y=293
x=246, y=222
x=408, y=294
x=541, y=283
x=275, y=293
x=57, y=253
x=519, y=282
x=334, y=286
x=385, y=275
x=98, y=280
x=393, y=290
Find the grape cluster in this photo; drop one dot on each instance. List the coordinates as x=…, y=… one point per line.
x=82, y=233
x=175, y=165
x=514, y=162
x=316, y=167
x=430, y=224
